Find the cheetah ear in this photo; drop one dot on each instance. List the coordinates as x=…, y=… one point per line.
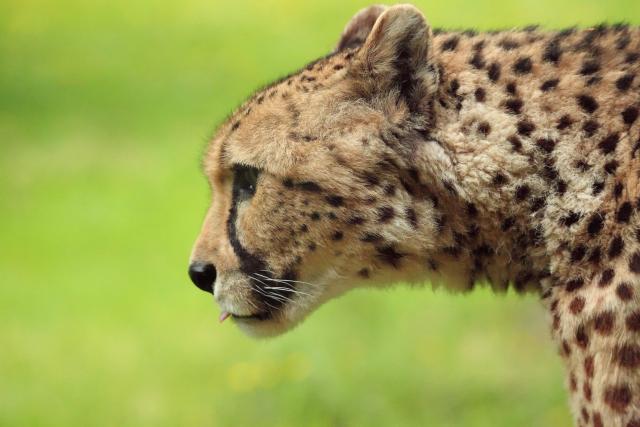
x=397, y=55
x=359, y=27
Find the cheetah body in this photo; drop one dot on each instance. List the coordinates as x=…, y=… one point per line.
x=509, y=158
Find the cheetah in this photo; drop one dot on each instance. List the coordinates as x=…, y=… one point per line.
x=459, y=158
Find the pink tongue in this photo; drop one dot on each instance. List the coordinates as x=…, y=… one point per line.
x=223, y=316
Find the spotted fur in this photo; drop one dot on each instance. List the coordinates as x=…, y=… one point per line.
x=455, y=157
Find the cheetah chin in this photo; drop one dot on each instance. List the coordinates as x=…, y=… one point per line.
x=507, y=158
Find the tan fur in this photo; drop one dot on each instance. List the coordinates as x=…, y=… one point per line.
x=506, y=158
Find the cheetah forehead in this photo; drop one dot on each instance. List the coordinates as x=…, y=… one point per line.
x=278, y=128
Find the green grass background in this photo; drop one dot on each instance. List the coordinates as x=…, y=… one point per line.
x=105, y=107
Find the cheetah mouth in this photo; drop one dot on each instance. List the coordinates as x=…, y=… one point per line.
x=255, y=317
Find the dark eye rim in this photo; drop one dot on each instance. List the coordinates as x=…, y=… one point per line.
x=245, y=181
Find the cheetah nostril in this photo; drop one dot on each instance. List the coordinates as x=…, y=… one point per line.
x=203, y=275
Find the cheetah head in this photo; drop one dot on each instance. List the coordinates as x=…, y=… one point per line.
x=314, y=180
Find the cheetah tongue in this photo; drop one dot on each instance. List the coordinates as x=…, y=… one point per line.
x=223, y=316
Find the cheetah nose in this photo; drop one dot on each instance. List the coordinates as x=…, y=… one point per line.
x=203, y=275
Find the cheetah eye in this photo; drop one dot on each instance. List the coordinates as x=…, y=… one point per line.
x=245, y=180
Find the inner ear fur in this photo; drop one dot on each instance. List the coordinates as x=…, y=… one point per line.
x=397, y=55
x=359, y=27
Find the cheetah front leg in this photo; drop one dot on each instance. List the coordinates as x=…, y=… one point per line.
x=596, y=323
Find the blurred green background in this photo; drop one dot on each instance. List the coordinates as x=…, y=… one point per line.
x=105, y=107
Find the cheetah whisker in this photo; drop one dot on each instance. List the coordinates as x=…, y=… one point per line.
x=285, y=280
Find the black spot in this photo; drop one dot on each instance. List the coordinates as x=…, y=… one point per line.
x=578, y=253
x=590, y=67
x=609, y=144
x=549, y=172
x=473, y=231
x=448, y=185
x=564, y=122
x=606, y=278
x=623, y=42
x=389, y=190
x=634, y=263
x=452, y=251
x=507, y=223
x=371, y=238
x=334, y=200
x=624, y=83
x=570, y=219
x=479, y=45
x=338, y=235
x=574, y=284
x=472, y=211
x=595, y=256
x=287, y=183
x=546, y=144
x=590, y=127
x=385, y=214
x=477, y=60
x=525, y=128
x=597, y=187
x=511, y=88
x=364, y=273
x=371, y=179
x=522, y=192
x=235, y=126
x=494, y=72
x=617, y=190
x=587, y=103
x=582, y=166
x=514, y=106
x=632, y=57
x=484, y=128
x=630, y=115
x=407, y=187
x=310, y=186
x=515, y=143
x=537, y=204
x=304, y=228
x=522, y=65
x=389, y=255
x=581, y=335
x=411, y=216
x=450, y=44
x=624, y=291
x=500, y=179
x=611, y=166
x=566, y=32
x=356, y=220
x=315, y=216
x=552, y=51
x=594, y=80
x=615, y=247
x=596, y=223
x=561, y=186
x=454, y=86
x=549, y=85
x=624, y=213
x=508, y=44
